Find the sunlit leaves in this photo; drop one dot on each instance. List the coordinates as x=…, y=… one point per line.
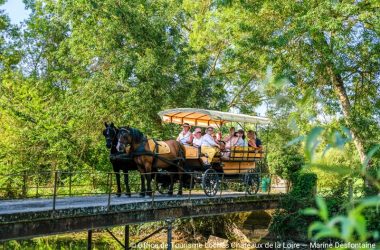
x=350, y=228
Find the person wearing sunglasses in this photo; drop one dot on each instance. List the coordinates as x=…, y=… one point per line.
x=209, y=145
x=197, y=137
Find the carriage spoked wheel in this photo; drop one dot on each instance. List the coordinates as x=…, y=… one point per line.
x=252, y=181
x=210, y=182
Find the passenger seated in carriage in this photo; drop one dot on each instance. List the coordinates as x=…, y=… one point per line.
x=241, y=138
x=185, y=137
x=209, y=145
x=253, y=141
x=231, y=139
x=198, y=138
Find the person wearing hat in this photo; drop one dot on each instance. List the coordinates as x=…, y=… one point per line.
x=209, y=145
x=197, y=140
x=185, y=137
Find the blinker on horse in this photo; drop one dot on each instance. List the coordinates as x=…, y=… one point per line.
x=118, y=164
x=148, y=160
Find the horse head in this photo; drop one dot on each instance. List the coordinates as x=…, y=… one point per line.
x=123, y=139
x=110, y=133
x=128, y=136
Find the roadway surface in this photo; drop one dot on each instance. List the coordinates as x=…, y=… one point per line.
x=45, y=204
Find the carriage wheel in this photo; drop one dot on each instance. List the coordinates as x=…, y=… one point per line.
x=210, y=182
x=252, y=181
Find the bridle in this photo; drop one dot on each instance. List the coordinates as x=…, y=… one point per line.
x=110, y=133
x=121, y=134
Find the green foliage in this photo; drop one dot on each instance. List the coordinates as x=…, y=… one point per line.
x=352, y=227
x=84, y=63
x=77, y=64
x=288, y=218
x=285, y=161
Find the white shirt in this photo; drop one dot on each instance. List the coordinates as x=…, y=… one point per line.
x=197, y=142
x=208, y=141
x=184, y=138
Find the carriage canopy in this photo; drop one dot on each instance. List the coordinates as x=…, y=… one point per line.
x=204, y=118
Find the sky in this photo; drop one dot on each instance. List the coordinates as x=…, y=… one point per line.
x=16, y=11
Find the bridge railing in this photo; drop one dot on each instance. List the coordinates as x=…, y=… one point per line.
x=59, y=184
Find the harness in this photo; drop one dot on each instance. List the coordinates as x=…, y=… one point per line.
x=140, y=151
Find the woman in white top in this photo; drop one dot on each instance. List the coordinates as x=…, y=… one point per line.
x=209, y=145
x=198, y=138
x=185, y=137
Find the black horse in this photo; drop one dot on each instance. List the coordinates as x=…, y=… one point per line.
x=118, y=160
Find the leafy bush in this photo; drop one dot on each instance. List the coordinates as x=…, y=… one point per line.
x=288, y=217
x=285, y=161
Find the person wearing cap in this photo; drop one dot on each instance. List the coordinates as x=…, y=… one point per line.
x=185, y=137
x=198, y=138
x=209, y=145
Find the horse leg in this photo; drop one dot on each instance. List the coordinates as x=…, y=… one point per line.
x=171, y=186
x=180, y=183
x=117, y=174
x=142, y=177
x=126, y=181
x=180, y=175
x=148, y=177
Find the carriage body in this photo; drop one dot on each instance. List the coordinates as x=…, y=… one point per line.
x=240, y=161
x=243, y=164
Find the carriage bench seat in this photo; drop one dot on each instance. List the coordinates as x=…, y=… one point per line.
x=245, y=153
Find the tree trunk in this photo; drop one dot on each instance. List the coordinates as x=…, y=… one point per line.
x=340, y=90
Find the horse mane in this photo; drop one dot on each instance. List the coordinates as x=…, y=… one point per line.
x=136, y=135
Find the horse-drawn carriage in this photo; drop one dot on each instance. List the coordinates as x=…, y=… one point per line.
x=243, y=164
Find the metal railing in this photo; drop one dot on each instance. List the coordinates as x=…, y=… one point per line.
x=59, y=184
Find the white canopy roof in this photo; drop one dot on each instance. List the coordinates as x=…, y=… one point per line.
x=204, y=118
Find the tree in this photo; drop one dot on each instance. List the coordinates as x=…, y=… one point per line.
x=326, y=51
